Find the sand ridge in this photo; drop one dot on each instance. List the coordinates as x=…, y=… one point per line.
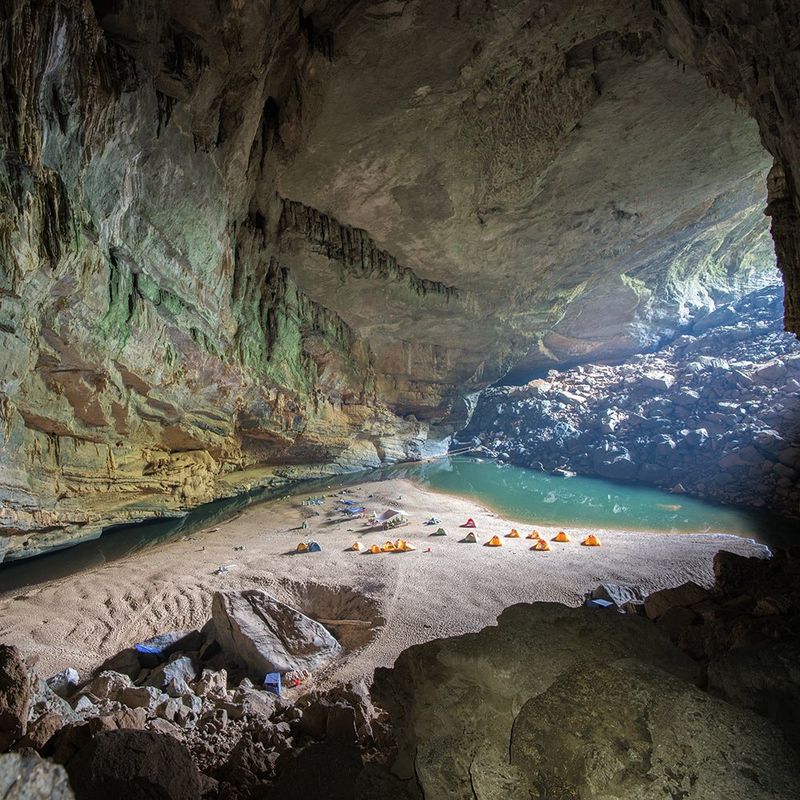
x=443, y=588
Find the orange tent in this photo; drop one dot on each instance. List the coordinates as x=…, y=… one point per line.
x=513, y=534
x=302, y=547
x=541, y=545
x=375, y=549
x=357, y=546
x=561, y=537
x=495, y=541
x=591, y=541
x=388, y=547
x=533, y=535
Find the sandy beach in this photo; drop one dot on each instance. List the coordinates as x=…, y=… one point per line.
x=391, y=600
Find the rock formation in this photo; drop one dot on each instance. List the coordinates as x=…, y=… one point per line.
x=716, y=413
x=244, y=242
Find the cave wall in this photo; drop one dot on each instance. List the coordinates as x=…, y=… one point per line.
x=749, y=51
x=246, y=242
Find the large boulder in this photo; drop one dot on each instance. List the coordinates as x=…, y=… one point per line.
x=633, y=732
x=28, y=777
x=264, y=635
x=16, y=690
x=453, y=701
x=135, y=764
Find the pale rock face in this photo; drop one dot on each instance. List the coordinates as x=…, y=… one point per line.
x=242, y=244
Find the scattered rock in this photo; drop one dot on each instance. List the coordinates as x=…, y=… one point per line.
x=16, y=691
x=28, y=777
x=135, y=764
x=65, y=682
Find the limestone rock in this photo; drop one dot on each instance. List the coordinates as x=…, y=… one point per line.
x=454, y=700
x=633, y=732
x=129, y=763
x=24, y=777
x=16, y=692
x=264, y=635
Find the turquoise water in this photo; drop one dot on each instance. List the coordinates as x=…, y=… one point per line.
x=522, y=494
x=541, y=498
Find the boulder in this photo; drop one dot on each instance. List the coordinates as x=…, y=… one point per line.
x=65, y=682
x=686, y=594
x=16, y=692
x=108, y=684
x=135, y=764
x=657, y=380
x=147, y=697
x=634, y=732
x=264, y=635
x=174, y=676
x=28, y=777
x=454, y=700
x=765, y=678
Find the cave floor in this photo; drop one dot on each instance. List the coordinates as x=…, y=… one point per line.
x=399, y=599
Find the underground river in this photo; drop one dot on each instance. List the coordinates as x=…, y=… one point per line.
x=529, y=495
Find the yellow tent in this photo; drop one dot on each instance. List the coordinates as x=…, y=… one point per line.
x=495, y=541
x=541, y=545
x=533, y=535
x=388, y=547
x=302, y=547
x=513, y=534
x=402, y=546
x=561, y=537
x=357, y=547
x=591, y=541
x=375, y=549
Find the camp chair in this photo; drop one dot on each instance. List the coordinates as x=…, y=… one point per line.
x=591, y=541
x=561, y=537
x=495, y=541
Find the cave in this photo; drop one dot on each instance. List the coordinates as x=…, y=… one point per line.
x=400, y=399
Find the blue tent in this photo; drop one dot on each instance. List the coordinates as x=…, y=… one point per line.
x=314, y=547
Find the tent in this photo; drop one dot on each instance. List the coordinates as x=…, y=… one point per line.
x=391, y=518
x=561, y=537
x=591, y=541
x=433, y=521
x=314, y=547
x=495, y=541
x=542, y=545
x=513, y=534
x=302, y=547
x=533, y=535
x=470, y=523
x=388, y=547
x=470, y=538
x=357, y=547
x=402, y=546
x=439, y=532
x=375, y=549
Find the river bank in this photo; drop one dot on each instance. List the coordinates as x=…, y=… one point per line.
x=443, y=588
